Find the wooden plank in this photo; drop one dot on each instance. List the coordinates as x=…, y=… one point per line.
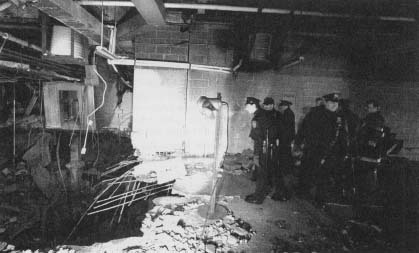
x=14, y=65
x=74, y=16
x=152, y=11
x=31, y=104
x=51, y=106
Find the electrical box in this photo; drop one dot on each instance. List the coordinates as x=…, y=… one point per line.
x=67, y=105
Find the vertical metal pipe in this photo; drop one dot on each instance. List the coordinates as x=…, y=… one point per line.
x=213, y=199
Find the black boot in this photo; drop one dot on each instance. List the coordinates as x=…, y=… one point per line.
x=253, y=199
x=279, y=196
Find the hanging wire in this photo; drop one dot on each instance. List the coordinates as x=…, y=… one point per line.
x=89, y=122
x=187, y=91
x=14, y=125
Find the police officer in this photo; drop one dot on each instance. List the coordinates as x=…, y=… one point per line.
x=324, y=149
x=286, y=120
x=371, y=149
x=272, y=114
x=259, y=133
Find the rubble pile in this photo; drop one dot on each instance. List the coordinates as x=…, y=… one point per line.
x=177, y=228
x=238, y=164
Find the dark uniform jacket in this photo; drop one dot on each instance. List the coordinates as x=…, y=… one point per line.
x=287, y=127
x=302, y=129
x=261, y=123
x=320, y=129
x=374, y=119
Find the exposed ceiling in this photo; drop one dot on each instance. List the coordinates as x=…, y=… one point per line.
x=395, y=18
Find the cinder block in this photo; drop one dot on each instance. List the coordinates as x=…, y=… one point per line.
x=199, y=59
x=165, y=27
x=163, y=49
x=143, y=56
x=156, y=56
x=179, y=50
x=195, y=75
x=143, y=39
x=149, y=34
x=163, y=34
x=199, y=49
x=183, y=58
x=199, y=83
x=171, y=57
x=148, y=48
x=166, y=41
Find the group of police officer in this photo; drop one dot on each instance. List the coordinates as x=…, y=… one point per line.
x=323, y=147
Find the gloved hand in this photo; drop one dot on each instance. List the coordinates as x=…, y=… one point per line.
x=256, y=161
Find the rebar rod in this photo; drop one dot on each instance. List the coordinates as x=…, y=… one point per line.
x=123, y=206
x=86, y=212
x=118, y=195
x=109, y=208
x=129, y=194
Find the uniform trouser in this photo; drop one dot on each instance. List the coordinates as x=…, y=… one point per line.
x=366, y=182
x=324, y=181
x=262, y=180
x=282, y=170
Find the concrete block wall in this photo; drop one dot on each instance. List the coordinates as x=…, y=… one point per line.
x=319, y=74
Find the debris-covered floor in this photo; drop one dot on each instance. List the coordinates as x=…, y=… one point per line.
x=36, y=212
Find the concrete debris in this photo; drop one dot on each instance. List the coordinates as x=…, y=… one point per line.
x=283, y=224
x=238, y=164
x=177, y=227
x=162, y=171
x=174, y=229
x=5, y=247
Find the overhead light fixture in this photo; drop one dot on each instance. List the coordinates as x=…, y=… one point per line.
x=212, y=104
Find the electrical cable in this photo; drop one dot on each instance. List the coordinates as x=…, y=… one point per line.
x=89, y=122
x=14, y=125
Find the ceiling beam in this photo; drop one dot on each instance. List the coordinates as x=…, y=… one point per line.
x=76, y=17
x=248, y=9
x=129, y=26
x=152, y=11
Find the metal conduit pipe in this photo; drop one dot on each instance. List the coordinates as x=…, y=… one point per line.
x=245, y=9
x=7, y=36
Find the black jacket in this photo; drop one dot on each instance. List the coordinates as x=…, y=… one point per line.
x=261, y=123
x=374, y=120
x=287, y=127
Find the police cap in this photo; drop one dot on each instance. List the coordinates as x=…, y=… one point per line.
x=334, y=97
x=284, y=103
x=268, y=101
x=252, y=101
